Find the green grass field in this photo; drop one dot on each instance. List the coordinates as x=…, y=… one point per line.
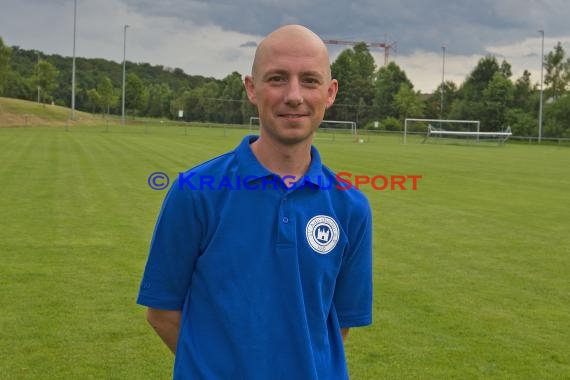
x=471, y=270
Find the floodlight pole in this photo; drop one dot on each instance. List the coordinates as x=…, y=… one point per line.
x=73, y=64
x=442, y=81
x=541, y=87
x=38, y=75
x=124, y=61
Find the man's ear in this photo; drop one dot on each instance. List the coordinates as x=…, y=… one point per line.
x=332, y=91
x=250, y=89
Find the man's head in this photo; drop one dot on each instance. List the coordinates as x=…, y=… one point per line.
x=291, y=84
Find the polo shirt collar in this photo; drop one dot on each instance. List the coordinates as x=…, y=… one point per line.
x=250, y=168
x=315, y=173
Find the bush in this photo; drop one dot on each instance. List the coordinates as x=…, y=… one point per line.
x=391, y=124
x=370, y=125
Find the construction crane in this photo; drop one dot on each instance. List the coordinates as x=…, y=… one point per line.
x=384, y=45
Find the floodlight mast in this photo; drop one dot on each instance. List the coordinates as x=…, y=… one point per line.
x=38, y=75
x=541, y=87
x=442, y=82
x=124, y=61
x=73, y=64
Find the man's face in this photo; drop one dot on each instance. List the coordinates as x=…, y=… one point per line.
x=291, y=88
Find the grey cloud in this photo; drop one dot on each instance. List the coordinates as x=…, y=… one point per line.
x=248, y=44
x=465, y=26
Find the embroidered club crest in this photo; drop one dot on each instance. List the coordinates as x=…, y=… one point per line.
x=322, y=234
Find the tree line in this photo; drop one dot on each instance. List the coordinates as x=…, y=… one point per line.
x=369, y=95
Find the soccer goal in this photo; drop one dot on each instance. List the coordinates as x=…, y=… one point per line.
x=456, y=130
x=339, y=125
x=349, y=127
x=253, y=122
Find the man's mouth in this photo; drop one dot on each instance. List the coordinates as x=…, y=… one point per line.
x=292, y=115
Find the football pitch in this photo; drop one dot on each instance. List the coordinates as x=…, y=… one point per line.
x=471, y=270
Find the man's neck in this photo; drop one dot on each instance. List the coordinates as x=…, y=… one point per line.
x=284, y=160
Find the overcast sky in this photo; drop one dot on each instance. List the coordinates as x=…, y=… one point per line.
x=214, y=38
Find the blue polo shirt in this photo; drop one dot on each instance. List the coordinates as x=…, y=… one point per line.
x=265, y=275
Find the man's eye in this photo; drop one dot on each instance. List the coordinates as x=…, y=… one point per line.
x=311, y=81
x=276, y=78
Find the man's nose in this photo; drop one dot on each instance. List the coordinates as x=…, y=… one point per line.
x=294, y=96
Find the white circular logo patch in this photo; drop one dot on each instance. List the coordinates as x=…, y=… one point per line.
x=322, y=234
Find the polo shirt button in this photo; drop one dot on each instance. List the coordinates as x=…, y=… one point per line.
x=285, y=219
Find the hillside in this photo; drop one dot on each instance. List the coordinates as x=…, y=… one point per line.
x=89, y=75
x=20, y=113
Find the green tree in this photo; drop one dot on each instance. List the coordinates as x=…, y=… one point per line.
x=18, y=87
x=232, y=95
x=247, y=109
x=190, y=106
x=498, y=98
x=159, y=97
x=557, y=117
x=177, y=104
x=478, y=80
x=522, y=113
x=468, y=110
x=389, y=80
x=93, y=100
x=521, y=122
x=107, y=95
x=341, y=70
x=391, y=124
x=209, y=102
x=46, y=78
x=354, y=69
x=408, y=102
x=479, y=98
x=505, y=69
x=5, y=53
x=203, y=103
x=136, y=95
x=523, y=92
x=433, y=103
x=557, y=72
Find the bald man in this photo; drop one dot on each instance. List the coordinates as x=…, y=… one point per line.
x=261, y=274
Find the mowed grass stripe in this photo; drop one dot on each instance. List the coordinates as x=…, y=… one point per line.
x=114, y=260
x=70, y=281
x=29, y=264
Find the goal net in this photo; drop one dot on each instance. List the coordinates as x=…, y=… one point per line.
x=451, y=131
x=327, y=128
x=337, y=129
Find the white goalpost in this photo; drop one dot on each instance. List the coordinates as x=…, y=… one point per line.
x=251, y=120
x=501, y=136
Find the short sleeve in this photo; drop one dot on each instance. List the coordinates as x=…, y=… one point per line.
x=173, y=252
x=353, y=291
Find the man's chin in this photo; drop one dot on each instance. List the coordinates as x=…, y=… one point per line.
x=293, y=137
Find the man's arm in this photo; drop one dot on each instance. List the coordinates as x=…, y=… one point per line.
x=166, y=323
x=344, y=333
